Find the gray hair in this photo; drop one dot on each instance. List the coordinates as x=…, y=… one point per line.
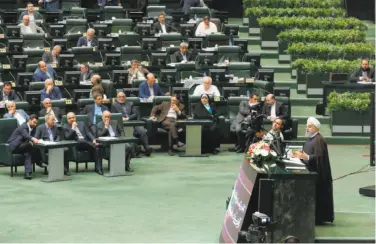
x=10, y=102
x=183, y=44
x=48, y=116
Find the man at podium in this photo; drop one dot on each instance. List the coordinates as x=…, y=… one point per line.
x=315, y=155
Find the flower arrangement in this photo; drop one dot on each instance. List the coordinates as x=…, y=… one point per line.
x=259, y=153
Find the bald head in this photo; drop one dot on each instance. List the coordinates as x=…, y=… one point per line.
x=207, y=81
x=71, y=118
x=150, y=79
x=106, y=115
x=42, y=66
x=26, y=19
x=95, y=80
x=270, y=99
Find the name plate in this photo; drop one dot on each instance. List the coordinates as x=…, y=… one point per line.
x=106, y=101
x=68, y=101
x=84, y=34
x=3, y=50
x=47, y=49
x=6, y=66
x=2, y=36
x=98, y=64
x=53, y=66
x=58, y=82
x=13, y=83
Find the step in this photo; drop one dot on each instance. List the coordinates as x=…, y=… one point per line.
x=280, y=68
x=254, y=40
x=269, y=54
x=254, y=31
x=284, y=59
x=293, y=73
x=245, y=21
x=243, y=28
x=342, y=140
x=269, y=45
x=285, y=83
x=304, y=101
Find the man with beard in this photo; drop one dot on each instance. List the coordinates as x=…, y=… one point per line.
x=364, y=73
x=316, y=157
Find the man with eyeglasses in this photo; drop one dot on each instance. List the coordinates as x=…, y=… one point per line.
x=48, y=109
x=112, y=128
x=206, y=88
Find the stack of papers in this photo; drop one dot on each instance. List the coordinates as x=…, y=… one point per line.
x=107, y=138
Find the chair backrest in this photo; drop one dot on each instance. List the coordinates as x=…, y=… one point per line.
x=81, y=103
x=233, y=105
x=231, y=53
x=240, y=69
x=159, y=99
x=22, y=105
x=130, y=39
x=285, y=103
x=31, y=67
x=198, y=12
x=217, y=39
x=113, y=12
x=136, y=104
x=171, y=39
x=36, y=86
x=193, y=100
x=153, y=11
x=7, y=126
x=131, y=52
x=108, y=88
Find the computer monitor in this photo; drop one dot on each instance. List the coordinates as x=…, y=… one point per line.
x=120, y=77
x=168, y=75
x=61, y=42
x=230, y=92
x=195, y=44
x=136, y=16
x=24, y=79
x=19, y=61
x=93, y=15
x=230, y=30
x=143, y=29
x=207, y=59
x=242, y=43
x=177, y=16
x=217, y=75
x=9, y=17
x=33, y=97
x=112, y=59
x=57, y=30
x=13, y=31
x=106, y=44
x=66, y=60
x=150, y=44
x=71, y=78
x=338, y=78
x=265, y=75
x=121, y=25
x=158, y=59
x=81, y=94
x=15, y=45
x=187, y=30
x=131, y=92
x=254, y=58
x=53, y=17
x=101, y=30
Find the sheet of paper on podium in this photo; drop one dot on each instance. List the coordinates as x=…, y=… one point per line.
x=107, y=138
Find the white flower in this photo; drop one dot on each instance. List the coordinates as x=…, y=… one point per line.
x=264, y=153
x=273, y=153
x=257, y=152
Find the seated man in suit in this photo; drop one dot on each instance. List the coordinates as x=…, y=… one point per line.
x=88, y=40
x=160, y=26
x=169, y=112
x=128, y=111
x=207, y=88
x=20, y=143
x=183, y=55
x=18, y=114
x=108, y=127
x=8, y=94
x=276, y=131
x=44, y=72
x=364, y=73
x=94, y=109
x=246, y=109
x=149, y=88
x=79, y=131
x=28, y=27
x=50, y=91
x=48, y=109
x=104, y=3
x=273, y=109
x=30, y=11
x=53, y=56
x=86, y=74
x=206, y=27
x=49, y=132
x=136, y=72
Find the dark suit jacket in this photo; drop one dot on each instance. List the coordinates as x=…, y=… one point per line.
x=70, y=134
x=163, y=109
x=42, y=133
x=11, y=97
x=359, y=72
x=186, y=4
x=179, y=56
x=82, y=42
x=19, y=136
x=144, y=90
x=48, y=59
x=90, y=110
x=279, y=111
x=54, y=95
x=41, y=76
x=157, y=28
x=244, y=111
x=56, y=110
x=89, y=74
x=118, y=129
x=131, y=112
x=141, y=5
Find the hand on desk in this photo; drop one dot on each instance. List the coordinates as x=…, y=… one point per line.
x=95, y=143
x=300, y=155
x=125, y=118
x=153, y=118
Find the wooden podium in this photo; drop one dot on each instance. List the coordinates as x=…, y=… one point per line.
x=287, y=197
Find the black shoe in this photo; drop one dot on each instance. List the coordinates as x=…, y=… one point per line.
x=171, y=153
x=129, y=169
x=27, y=176
x=42, y=165
x=148, y=151
x=67, y=172
x=99, y=171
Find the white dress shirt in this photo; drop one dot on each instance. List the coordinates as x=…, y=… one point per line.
x=213, y=90
x=203, y=31
x=20, y=119
x=272, y=111
x=271, y=134
x=151, y=90
x=163, y=27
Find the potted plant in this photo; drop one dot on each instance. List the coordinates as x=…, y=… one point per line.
x=350, y=112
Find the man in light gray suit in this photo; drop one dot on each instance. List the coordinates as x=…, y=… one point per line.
x=53, y=56
x=28, y=27
x=18, y=114
x=245, y=110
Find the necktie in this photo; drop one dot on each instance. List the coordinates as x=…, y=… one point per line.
x=50, y=135
x=54, y=58
x=79, y=135
x=111, y=131
x=48, y=74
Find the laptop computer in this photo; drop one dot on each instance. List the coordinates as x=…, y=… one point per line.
x=339, y=78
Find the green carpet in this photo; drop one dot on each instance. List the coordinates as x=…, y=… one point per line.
x=168, y=199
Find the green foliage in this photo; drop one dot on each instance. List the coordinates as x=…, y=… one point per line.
x=309, y=12
x=334, y=36
x=323, y=50
x=353, y=101
x=323, y=66
x=293, y=3
x=311, y=23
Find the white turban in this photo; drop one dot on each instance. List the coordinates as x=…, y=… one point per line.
x=314, y=121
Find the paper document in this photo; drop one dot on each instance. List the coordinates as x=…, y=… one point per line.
x=107, y=138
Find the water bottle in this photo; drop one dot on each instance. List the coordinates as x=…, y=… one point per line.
x=204, y=74
x=196, y=17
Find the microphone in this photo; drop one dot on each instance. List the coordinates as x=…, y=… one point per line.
x=19, y=95
x=100, y=53
x=10, y=62
x=173, y=28
x=14, y=78
x=49, y=45
x=70, y=95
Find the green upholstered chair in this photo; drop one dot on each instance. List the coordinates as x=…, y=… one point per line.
x=171, y=39
x=231, y=53
x=198, y=12
x=233, y=109
x=81, y=103
x=153, y=11
x=130, y=39
x=36, y=86
x=121, y=25
x=113, y=12
x=240, y=69
x=217, y=39
x=131, y=52
x=7, y=158
x=31, y=68
x=79, y=13
x=34, y=55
